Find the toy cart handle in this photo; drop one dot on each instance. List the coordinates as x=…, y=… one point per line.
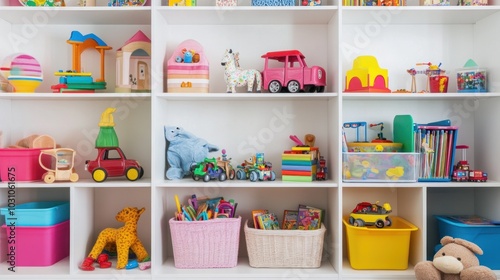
x=44, y=152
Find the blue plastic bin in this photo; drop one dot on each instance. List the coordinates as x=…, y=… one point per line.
x=41, y=213
x=485, y=236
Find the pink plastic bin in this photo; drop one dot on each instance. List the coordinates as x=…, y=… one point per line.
x=39, y=246
x=206, y=244
x=25, y=161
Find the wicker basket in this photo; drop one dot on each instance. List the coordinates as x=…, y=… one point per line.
x=285, y=248
x=205, y=244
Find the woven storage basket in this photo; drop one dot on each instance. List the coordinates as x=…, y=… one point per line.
x=284, y=248
x=205, y=244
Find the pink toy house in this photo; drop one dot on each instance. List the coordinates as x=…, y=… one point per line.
x=187, y=69
x=133, y=64
x=366, y=76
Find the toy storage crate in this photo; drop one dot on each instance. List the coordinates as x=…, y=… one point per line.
x=379, y=248
x=273, y=2
x=485, y=236
x=284, y=248
x=40, y=246
x=41, y=213
x=205, y=244
x=380, y=167
x=25, y=161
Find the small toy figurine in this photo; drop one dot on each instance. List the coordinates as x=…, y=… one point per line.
x=124, y=238
x=225, y=163
x=236, y=77
x=456, y=260
x=366, y=213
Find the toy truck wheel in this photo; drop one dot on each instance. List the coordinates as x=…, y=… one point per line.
x=132, y=173
x=141, y=172
x=273, y=176
x=241, y=175
x=388, y=221
x=351, y=220
x=232, y=174
x=206, y=178
x=293, y=86
x=379, y=224
x=73, y=177
x=99, y=175
x=254, y=176
x=196, y=178
x=358, y=223
x=49, y=177
x=274, y=86
x=320, y=88
x=222, y=177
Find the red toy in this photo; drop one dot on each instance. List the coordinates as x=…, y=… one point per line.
x=462, y=172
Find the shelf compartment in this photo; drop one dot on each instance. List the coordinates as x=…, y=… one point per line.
x=76, y=15
x=416, y=15
x=247, y=15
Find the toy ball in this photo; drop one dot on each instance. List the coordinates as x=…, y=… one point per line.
x=23, y=72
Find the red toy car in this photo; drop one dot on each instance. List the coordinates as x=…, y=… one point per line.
x=111, y=162
x=288, y=69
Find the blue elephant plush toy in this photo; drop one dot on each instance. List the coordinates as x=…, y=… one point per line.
x=184, y=150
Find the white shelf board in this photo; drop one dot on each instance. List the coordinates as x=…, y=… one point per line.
x=417, y=14
x=77, y=15
x=247, y=15
x=59, y=270
x=489, y=184
x=244, y=271
x=419, y=96
x=75, y=96
x=113, y=182
x=349, y=273
x=188, y=182
x=246, y=96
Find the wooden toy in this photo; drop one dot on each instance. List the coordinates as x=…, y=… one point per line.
x=436, y=80
x=133, y=64
x=191, y=76
x=75, y=80
x=366, y=76
x=23, y=72
x=237, y=77
x=62, y=167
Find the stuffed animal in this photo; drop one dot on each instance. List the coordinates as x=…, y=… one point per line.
x=124, y=238
x=456, y=260
x=184, y=150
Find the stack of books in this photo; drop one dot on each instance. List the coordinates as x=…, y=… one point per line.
x=299, y=164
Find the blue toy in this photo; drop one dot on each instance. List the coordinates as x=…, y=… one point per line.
x=183, y=151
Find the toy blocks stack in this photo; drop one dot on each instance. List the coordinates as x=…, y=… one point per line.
x=299, y=164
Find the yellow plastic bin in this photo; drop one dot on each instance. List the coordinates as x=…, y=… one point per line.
x=379, y=248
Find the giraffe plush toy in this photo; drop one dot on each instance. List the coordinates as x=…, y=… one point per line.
x=124, y=238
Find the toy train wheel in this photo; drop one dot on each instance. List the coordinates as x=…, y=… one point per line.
x=379, y=224
x=132, y=173
x=232, y=174
x=49, y=177
x=274, y=87
x=254, y=176
x=73, y=177
x=99, y=175
x=293, y=86
x=358, y=223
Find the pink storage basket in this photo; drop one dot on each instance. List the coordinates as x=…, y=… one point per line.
x=205, y=244
x=40, y=246
x=25, y=161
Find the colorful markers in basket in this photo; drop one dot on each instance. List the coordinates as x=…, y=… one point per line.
x=204, y=209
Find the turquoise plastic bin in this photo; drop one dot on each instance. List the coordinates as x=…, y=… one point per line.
x=40, y=213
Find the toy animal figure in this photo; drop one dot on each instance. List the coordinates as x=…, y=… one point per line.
x=183, y=151
x=236, y=77
x=456, y=260
x=124, y=238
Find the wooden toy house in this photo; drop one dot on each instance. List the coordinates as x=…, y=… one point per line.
x=133, y=64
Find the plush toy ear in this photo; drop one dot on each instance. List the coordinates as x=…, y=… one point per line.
x=141, y=211
x=447, y=240
x=469, y=245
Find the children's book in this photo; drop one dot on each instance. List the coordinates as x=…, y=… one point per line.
x=255, y=214
x=268, y=221
x=290, y=219
x=309, y=218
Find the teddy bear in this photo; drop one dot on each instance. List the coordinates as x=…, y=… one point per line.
x=456, y=260
x=183, y=151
